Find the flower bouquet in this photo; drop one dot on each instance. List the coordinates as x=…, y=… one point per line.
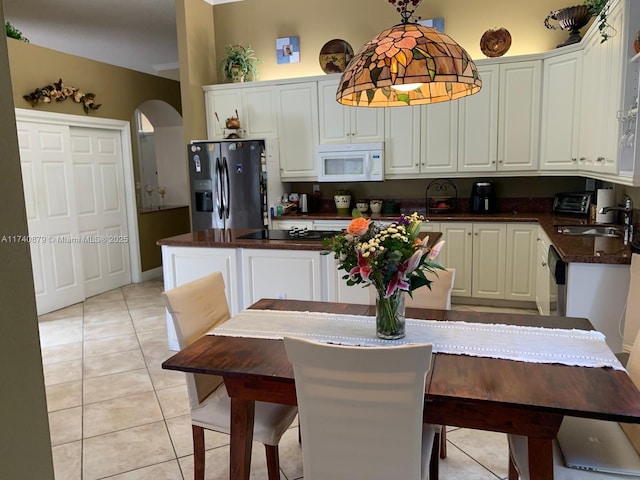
x=390, y=256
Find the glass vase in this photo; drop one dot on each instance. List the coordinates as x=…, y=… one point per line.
x=390, y=316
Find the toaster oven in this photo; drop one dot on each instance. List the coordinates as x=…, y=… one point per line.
x=572, y=203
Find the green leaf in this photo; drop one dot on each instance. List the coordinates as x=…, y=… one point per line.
x=404, y=97
x=355, y=213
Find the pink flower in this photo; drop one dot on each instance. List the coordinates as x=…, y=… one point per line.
x=414, y=261
x=399, y=280
x=436, y=250
x=362, y=268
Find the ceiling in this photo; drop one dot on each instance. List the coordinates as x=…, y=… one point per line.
x=135, y=34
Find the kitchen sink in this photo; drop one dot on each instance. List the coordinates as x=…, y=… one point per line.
x=589, y=230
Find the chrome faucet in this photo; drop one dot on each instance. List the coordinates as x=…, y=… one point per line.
x=627, y=211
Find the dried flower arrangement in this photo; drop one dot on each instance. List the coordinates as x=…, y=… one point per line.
x=58, y=92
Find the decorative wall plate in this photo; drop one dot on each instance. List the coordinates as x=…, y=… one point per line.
x=335, y=55
x=495, y=42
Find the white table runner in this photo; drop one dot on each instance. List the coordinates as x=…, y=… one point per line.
x=530, y=344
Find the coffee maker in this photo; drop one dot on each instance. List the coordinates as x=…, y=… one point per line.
x=483, y=198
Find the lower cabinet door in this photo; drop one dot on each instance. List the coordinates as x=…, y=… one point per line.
x=339, y=291
x=489, y=246
x=521, y=262
x=457, y=253
x=291, y=274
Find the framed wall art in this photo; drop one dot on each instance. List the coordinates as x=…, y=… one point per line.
x=288, y=49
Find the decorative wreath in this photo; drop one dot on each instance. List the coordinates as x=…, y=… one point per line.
x=58, y=92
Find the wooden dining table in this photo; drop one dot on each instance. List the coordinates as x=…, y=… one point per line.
x=499, y=395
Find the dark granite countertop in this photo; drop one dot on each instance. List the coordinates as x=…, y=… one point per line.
x=217, y=238
x=572, y=248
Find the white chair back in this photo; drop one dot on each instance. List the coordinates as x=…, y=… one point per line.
x=633, y=367
x=360, y=409
x=439, y=297
x=197, y=307
x=632, y=315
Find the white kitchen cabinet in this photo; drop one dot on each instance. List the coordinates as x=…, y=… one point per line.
x=402, y=141
x=290, y=274
x=478, y=124
x=335, y=225
x=337, y=288
x=602, y=96
x=520, y=265
x=458, y=253
x=297, y=108
x=439, y=138
x=562, y=87
x=489, y=260
x=278, y=224
x=182, y=265
x=254, y=105
x=543, y=274
x=498, y=128
x=340, y=124
x=519, y=115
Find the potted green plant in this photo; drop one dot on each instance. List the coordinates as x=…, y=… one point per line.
x=342, y=198
x=600, y=9
x=13, y=32
x=239, y=64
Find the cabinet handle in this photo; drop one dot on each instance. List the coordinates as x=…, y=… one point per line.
x=574, y=159
x=600, y=159
x=416, y=164
x=500, y=161
x=544, y=264
x=476, y=234
x=582, y=159
x=470, y=233
x=493, y=162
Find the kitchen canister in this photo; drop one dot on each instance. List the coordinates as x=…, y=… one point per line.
x=606, y=197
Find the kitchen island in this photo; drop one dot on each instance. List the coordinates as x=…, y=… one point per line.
x=258, y=268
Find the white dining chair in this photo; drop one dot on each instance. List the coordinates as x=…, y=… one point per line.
x=518, y=451
x=360, y=410
x=197, y=307
x=438, y=297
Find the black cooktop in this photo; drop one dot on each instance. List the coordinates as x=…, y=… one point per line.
x=293, y=235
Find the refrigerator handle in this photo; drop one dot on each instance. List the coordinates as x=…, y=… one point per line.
x=227, y=191
x=219, y=189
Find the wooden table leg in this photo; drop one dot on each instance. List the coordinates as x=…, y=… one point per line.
x=242, y=414
x=540, y=458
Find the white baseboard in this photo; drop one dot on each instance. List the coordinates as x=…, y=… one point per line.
x=151, y=274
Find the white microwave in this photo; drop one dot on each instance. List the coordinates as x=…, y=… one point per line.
x=353, y=162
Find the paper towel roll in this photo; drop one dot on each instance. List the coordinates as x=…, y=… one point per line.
x=606, y=198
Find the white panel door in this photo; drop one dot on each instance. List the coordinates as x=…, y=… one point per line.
x=51, y=215
x=96, y=156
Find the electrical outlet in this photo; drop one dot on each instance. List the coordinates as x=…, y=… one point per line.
x=316, y=188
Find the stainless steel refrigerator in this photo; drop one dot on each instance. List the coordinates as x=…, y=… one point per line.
x=228, y=184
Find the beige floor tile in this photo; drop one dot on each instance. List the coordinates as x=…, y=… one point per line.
x=106, y=387
x=64, y=395
x=165, y=378
x=174, y=401
x=149, y=323
x=63, y=372
x=291, y=454
x=67, y=461
x=65, y=425
x=163, y=471
x=60, y=332
x=113, y=363
x=120, y=413
x=111, y=296
x=217, y=464
x=63, y=313
x=107, y=317
x=490, y=449
x=103, y=346
x=458, y=465
x=182, y=439
x=62, y=353
x=95, y=331
x=145, y=310
x=126, y=450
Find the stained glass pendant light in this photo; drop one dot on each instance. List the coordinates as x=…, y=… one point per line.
x=408, y=64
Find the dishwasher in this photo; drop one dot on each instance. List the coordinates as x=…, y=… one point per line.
x=558, y=283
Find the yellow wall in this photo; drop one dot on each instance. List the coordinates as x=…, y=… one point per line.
x=157, y=225
x=258, y=23
x=119, y=90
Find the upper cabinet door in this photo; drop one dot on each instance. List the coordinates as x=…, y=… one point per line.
x=562, y=84
x=225, y=103
x=519, y=115
x=340, y=124
x=478, y=123
x=402, y=142
x=298, y=130
x=439, y=134
x=259, y=112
